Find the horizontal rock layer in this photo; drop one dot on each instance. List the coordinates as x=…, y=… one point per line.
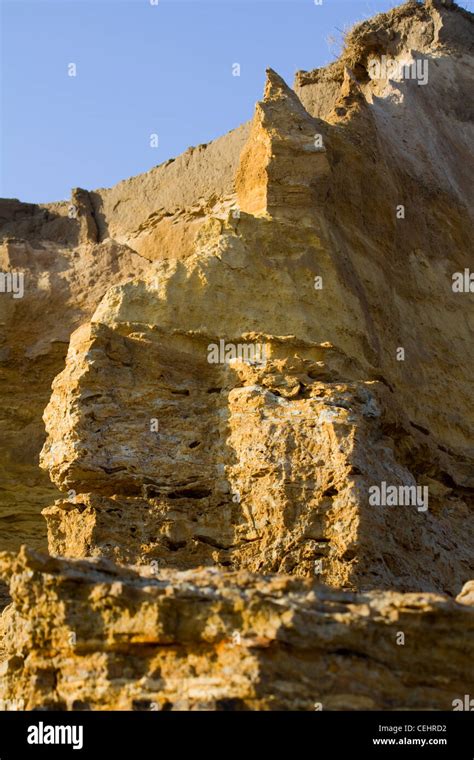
x=204, y=639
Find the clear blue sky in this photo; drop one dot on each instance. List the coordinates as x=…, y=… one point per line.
x=142, y=69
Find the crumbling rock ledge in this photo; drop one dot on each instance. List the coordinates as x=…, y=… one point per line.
x=208, y=640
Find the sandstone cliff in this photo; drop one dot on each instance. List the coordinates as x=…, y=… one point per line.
x=323, y=237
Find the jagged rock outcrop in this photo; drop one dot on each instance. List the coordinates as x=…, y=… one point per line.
x=277, y=347
x=283, y=169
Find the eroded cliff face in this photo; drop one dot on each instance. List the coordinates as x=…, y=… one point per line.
x=69, y=254
x=264, y=342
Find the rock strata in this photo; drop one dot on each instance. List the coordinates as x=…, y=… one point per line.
x=200, y=640
x=255, y=378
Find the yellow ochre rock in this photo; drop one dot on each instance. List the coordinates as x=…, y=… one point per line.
x=246, y=376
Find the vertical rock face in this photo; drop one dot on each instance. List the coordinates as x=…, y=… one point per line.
x=275, y=378
x=64, y=273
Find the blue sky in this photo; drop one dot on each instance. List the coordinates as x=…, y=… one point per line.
x=142, y=69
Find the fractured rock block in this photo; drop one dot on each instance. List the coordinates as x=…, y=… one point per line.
x=268, y=468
